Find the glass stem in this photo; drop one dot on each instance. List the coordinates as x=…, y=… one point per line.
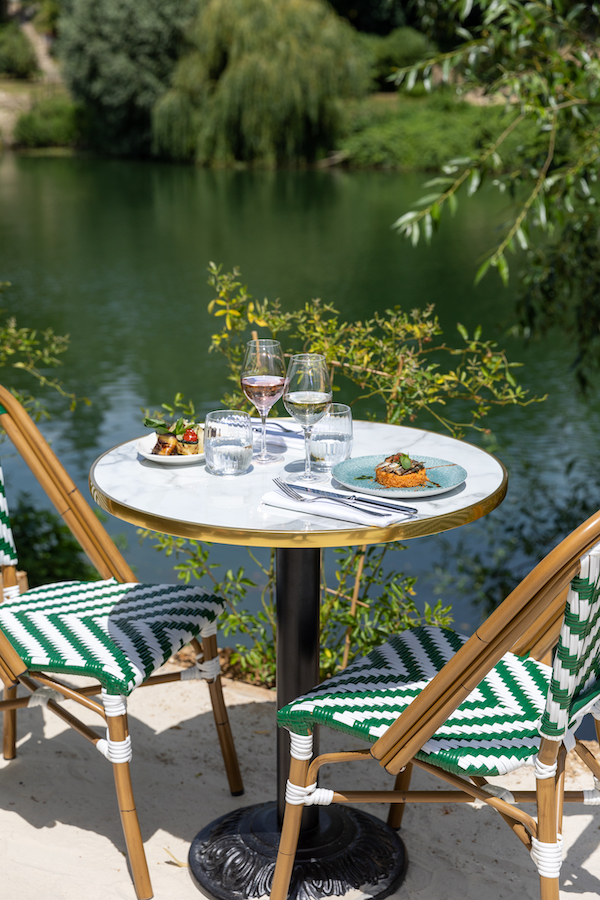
x=263, y=440
x=307, y=433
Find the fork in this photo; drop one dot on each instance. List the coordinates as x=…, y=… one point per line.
x=289, y=491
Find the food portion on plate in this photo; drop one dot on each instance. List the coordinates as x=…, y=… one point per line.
x=399, y=470
x=399, y=475
x=180, y=438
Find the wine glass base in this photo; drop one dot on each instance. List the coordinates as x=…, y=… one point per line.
x=313, y=478
x=267, y=460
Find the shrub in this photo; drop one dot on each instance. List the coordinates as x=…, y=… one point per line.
x=47, y=550
x=422, y=134
x=118, y=56
x=51, y=122
x=402, y=47
x=261, y=84
x=16, y=53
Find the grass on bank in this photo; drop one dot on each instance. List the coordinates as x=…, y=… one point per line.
x=409, y=133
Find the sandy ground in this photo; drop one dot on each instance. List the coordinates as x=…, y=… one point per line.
x=60, y=835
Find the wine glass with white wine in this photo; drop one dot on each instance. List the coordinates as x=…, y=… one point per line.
x=263, y=378
x=307, y=397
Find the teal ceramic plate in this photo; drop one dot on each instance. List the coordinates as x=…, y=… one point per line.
x=359, y=475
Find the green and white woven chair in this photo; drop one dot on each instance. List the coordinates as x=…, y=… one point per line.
x=115, y=630
x=466, y=709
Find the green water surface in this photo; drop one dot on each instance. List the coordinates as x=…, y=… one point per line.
x=114, y=253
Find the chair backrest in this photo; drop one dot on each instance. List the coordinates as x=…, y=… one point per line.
x=575, y=683
x=61, y=490
x=531, y=604
x=8, y=551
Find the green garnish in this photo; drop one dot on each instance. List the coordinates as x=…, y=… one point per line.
x=405, y=461
x=363, y=478
x=178, y=428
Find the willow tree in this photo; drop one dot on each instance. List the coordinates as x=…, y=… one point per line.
x=262, y=83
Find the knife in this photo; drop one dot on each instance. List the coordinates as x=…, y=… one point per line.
x=356, y=498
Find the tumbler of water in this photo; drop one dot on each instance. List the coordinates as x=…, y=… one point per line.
x=228, y=442
x=331, y=438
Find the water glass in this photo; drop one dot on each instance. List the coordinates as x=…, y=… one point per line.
x=331, y=438
x=228, y=442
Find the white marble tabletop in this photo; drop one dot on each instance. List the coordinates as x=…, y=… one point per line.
x=189, y=501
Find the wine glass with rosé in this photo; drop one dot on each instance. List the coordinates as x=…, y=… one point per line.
x=263, y=378
x=307, y=397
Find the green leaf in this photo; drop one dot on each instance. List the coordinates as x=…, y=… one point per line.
x=502, y=266
x=462, y=331
x=482, y=270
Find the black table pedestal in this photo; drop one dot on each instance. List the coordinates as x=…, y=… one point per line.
x=341, y=851
x=348, y=852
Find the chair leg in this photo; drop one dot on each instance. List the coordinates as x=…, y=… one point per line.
x=118, y=731
x=402, y=783
x=547, y=804
x=232, y=768
x=290, y=833
x=9, y=726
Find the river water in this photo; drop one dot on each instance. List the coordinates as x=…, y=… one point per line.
x=115, y=253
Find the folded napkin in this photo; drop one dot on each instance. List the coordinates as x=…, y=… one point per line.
x=292, y=429
x=332, y=510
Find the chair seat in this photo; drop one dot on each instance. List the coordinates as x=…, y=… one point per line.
x=494, y=731
x=117, y=633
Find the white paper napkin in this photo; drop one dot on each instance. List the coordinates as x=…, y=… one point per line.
x=332, y=510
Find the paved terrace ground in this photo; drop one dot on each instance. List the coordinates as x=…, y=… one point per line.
x=60, y=836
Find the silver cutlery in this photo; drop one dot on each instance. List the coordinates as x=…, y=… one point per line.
x=359, y=498
x=294, y=495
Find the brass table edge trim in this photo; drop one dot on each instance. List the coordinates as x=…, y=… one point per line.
x=263, y=538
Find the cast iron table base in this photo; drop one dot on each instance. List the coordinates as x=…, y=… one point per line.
x=347, y=853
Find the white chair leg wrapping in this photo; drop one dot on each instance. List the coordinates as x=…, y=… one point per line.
x=42, y=695
x=301, y=746
x=209, y=670
x=592, y=798
x=115, y=751
x=542, y=771
x=494, y=790
x=209, y=629
x=547, y=857
x=114, y=704
x=11, y=593
x=296, y=795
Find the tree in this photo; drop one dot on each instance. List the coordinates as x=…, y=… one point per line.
x=118, y=56
x=539, y=58
x=261, y=83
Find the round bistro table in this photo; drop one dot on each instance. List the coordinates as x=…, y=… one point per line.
x=343, y=852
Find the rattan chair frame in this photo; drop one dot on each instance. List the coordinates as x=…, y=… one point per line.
x=528, y=623
x=100, y=549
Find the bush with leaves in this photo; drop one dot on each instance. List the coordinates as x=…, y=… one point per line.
x=118, y=56
x=17, y=57
x=261, y=83
x=541, y=59
x=29, y=352
x=401, y=47
x=51, y=122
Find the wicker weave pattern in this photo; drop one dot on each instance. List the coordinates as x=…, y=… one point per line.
x=8, y=551
x=495, y=730
x=575, y=683
x=117, y=633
